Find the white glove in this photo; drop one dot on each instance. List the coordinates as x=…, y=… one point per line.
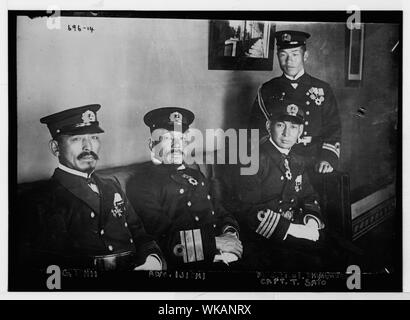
x=151, y=263
x=226, y=257
x=303, y=231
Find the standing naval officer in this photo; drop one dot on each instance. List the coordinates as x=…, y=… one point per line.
x=79, y=219
x=176, y=201
x=320, y=139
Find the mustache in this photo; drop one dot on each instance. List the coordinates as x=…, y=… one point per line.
x=87, y=153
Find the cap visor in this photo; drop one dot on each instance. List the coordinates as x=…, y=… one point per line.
x=83, y=130
x=292, y=119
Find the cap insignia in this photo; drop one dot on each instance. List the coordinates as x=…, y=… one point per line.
x=286, y=37
x=292, y=109
x=175, y=117
x=88, y=117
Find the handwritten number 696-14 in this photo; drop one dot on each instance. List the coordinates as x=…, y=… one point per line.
x=79, y=28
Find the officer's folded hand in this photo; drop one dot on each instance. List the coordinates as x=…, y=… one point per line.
x=151, y=263
x=324, y=167
x=228, y=242
x=303, y=232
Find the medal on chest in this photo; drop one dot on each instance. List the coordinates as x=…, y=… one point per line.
x=298, y=183
x=317, y=95
x=190, y=179
x=288, y=174
x=118, y=206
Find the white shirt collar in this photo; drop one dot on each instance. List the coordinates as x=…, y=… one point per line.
x=75, y=172
x=158, y=162
x=300, y=73
x=281, y=150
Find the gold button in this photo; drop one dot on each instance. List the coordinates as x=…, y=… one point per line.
x=308, y=102
x=196, y=218
x=280, y=210
x=280, y=201
x=214, y=225
x=213, y=212
x=292, y=200
x=126, y=224
x=306, y=123
x=189, y=203
x=92, y=214
x=181, y=191
x=132, y=241
x=305, y=133
x=209, y=197
x=102, y=231
x=281, y=178
x=202, y=183
x=110, y=248
x=307, y=113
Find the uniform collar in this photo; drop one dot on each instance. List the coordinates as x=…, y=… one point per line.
x=77, y=185
x=301, y=73
x=281, y=150
x=74, y=172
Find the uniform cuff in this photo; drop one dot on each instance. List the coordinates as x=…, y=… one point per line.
x=195, y=245
x=272, y=225
x=230, y=229
x=330, y=154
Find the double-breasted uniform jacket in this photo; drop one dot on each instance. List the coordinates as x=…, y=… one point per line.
x=322, y=128
x=277, y=195
x=68, y=220
x=177, y=206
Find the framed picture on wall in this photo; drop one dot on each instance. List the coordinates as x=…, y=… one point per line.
x=241, y=45
x=354, y=54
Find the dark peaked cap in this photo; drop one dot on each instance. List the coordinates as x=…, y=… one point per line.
x=288, y=110
x=169, y=118
x=290, y=39
x=79, y=120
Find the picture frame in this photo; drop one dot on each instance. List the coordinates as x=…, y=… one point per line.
x=354, y=54
x=241, y=45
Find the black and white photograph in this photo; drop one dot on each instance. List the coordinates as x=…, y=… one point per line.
x=241, y=45
x=255, y=151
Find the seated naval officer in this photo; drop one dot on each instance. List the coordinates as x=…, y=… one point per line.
x=83, y=220
x=176, y=202
x=319, y=142
x=281, y=219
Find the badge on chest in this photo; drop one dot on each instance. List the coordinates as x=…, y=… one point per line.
x=190, y=179
x=118, y=206
x=184, y=179
x=298, y=183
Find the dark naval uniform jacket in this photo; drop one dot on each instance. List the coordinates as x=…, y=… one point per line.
x=70, y=223
x=177, y=206
x=322, y=128
x=272, y=199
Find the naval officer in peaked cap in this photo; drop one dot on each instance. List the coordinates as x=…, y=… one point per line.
x=281, y=218
x=78, y=218
x=319, y=142
x=177, y=202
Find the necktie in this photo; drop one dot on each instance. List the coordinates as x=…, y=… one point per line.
x=288, y=173
x=91, y=183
